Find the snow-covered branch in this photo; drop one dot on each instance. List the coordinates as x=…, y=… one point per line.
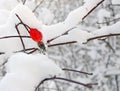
x=72, y=20
x=104, y=32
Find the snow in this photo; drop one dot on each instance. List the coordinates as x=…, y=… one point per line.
x=80, y=36
x=4, y=14
x=7, y=5
x=8, y=29
x=113, y=29
x=55, y=30
x=25, y=71
x=102, y=14
x=112, y=71
x=77, y=15
x=46, y=16
x=76, y=34
x=115, y=2
x=25, y=14
x=72, y=20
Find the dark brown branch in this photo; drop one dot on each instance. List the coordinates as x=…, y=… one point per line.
x=38, y=6
x=90, y=39
x=20, y=37
x=117, y=19
x=24, y=2
x=77, y=71
x=108, y=44
x=32, y=50
x=114, y=5
x=103, y=36
x=6, y=37
x=92, y=9
x=2, y=53
x=71, y=42
x=75, y=27
x=3, y=63
x=21, y=22
x=25, y=25
x=89, y=85
x=60, y=35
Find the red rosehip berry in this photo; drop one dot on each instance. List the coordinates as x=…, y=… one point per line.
x=36, y=35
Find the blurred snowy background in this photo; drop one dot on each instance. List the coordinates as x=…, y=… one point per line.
x=100, y=57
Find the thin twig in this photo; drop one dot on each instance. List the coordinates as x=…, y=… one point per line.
x=38, y=5
x=26, y=26
x=65, y=79
x=24, y=2
x=60, y=35
x=2, y=53
x=32, y=50
x=92, y=9
x=20, y=37
x=117, y=19
x=114, y=5
x=103, y=36
x=66, y=69
x=75, y=27
x=3, y=63
x=93, y=38
x=108, y=44
x=64, y=43
x=6, y=37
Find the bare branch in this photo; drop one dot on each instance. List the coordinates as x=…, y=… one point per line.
x=117, y=19
x=20, y=37
x=21, y=22
x=108, y=44
x=92, y=9
x=71, y=42
x=38, y=5
x=60, y=35
x=66, y=69
x=65, y=79
x=75, y=27
x=103, y=36
x=90, y=39
x=32, y=50
x=6, y=37
x=24, y=2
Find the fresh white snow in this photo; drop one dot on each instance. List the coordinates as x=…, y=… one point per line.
x=24, y=72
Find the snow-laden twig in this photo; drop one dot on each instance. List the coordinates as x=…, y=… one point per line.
x=74, y=17
x=90, y=39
